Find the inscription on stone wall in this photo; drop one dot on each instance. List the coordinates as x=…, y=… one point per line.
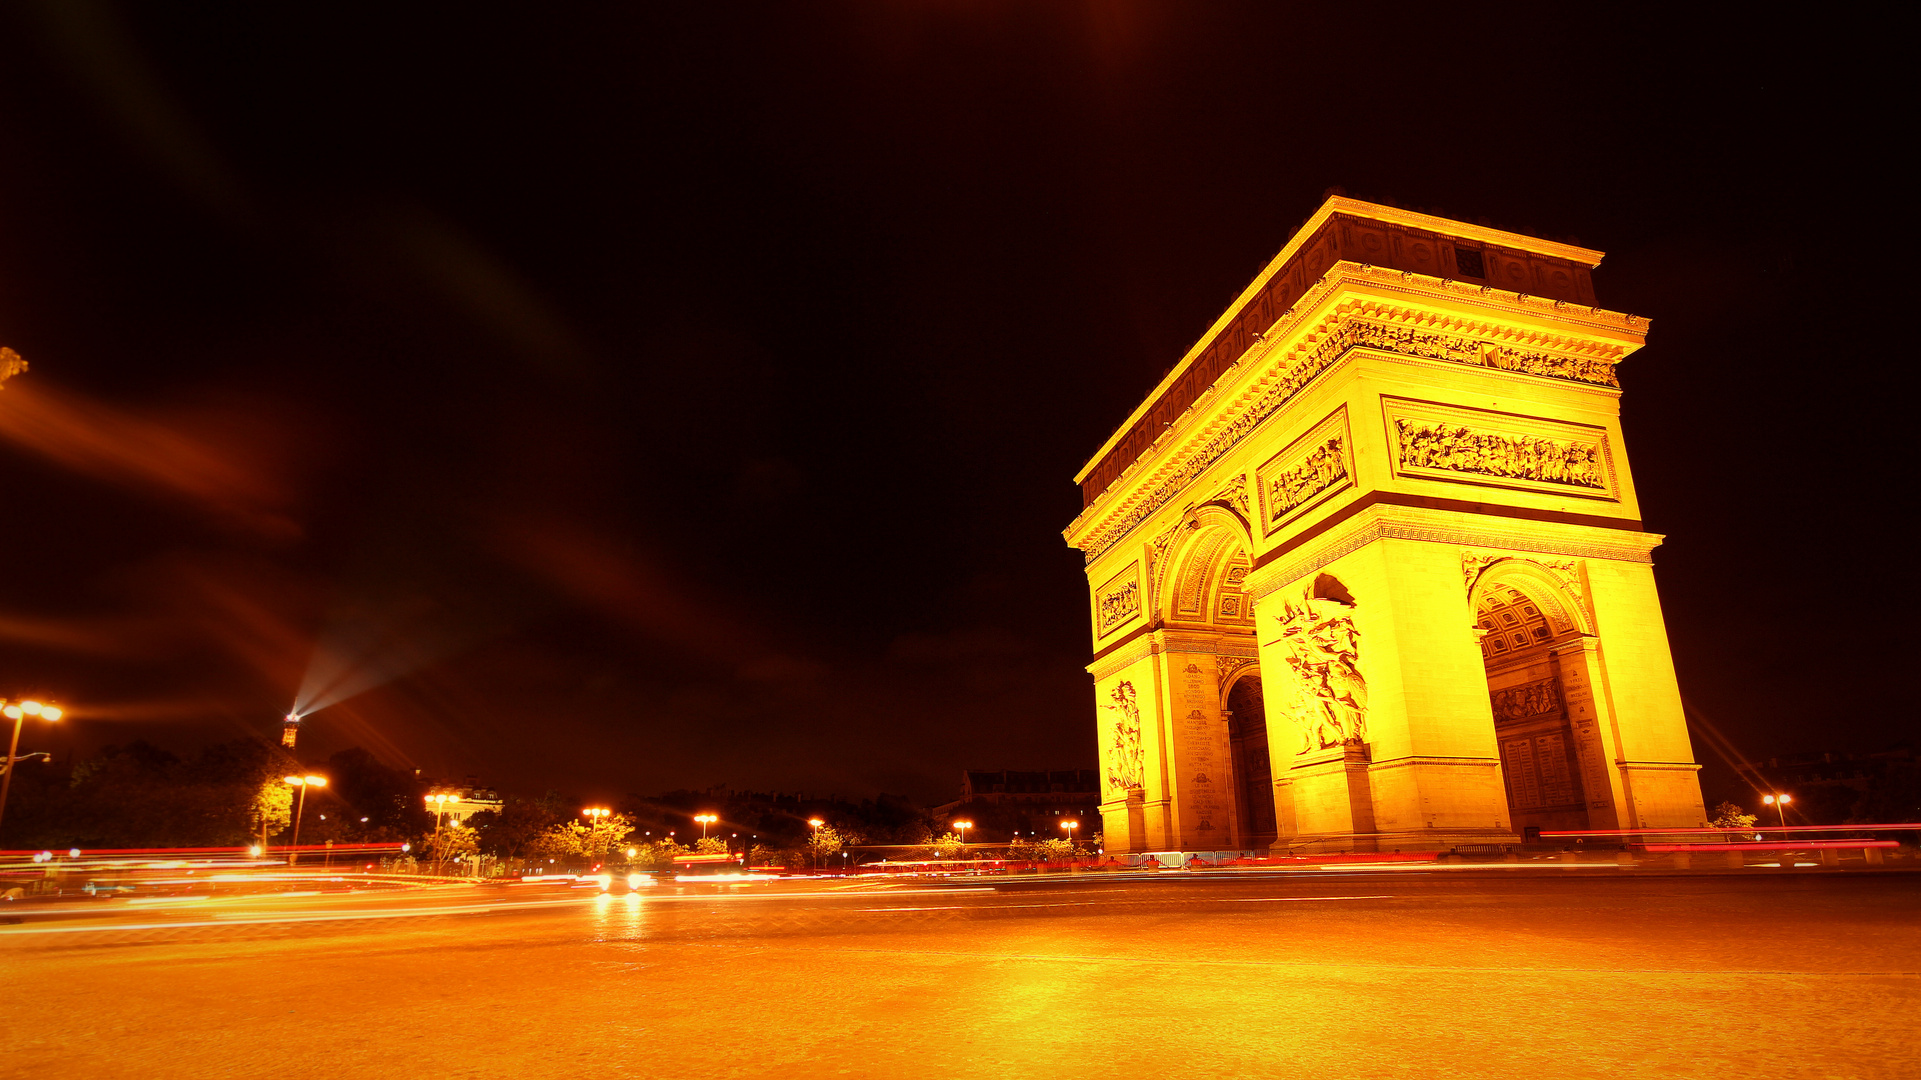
x=1537, y=772
x=1203, y=768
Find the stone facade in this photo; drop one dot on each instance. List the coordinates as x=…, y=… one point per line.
x=1395, y=493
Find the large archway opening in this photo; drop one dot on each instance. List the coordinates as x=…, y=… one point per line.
x=1203, y=591
x=1253, y=769
x=1525, y=620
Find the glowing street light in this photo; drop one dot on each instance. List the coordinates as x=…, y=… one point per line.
x=705, y=820
x=813, y=849
x=302, y=783
x=596, y=814
x=963, y=826
x=1070, y=826
x=1780, y=803
x=18, y=711
x=437, y=802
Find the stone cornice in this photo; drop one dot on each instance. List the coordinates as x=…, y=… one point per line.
x=1453, y=528
x=1270, y=374
x=1358, y=209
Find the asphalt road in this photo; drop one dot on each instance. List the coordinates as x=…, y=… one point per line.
x=1479, y=973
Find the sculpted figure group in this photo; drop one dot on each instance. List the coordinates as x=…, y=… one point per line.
x=1317, y=472
x=1324, y=653
x=1120, y=605
x=1526, y=457
x=1528, y=699
x=1126, y=767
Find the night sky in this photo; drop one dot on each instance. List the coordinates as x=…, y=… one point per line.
x=619, y=400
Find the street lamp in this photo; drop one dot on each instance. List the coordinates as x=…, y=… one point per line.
x=705, y=820
x=963, y=826
x=815, y=823
x=302, y=783
x=18, y=711
x=437, y=802
x=1780, y=804
x=1070, y=826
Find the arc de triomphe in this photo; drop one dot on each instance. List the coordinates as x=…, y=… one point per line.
x=1366, y=570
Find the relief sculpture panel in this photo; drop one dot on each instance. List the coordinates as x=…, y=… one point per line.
x=1323, y=651
x=1439, y=442
x=1119, y=600
x=1528, y=699
x=1126, y=765
x=1312, y=468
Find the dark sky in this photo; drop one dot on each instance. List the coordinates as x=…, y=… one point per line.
x=635, y=399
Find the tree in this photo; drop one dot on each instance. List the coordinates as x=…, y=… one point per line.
x=579, y=840
x=1730, y=816
x=513, y=830
x=948, y=846
x=823, y=844
x=271, y=809
x=450, y=843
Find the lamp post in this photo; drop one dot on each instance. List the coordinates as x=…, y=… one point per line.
x=1070, y=826
x=301, y=783
x=594, y=815
x=963, y=826
x=437, y=802
x=18, y=711
x=705, y=820
x=813, y=849
x=1780, y=803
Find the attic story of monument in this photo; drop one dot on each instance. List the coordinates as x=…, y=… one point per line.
x=1367, y=571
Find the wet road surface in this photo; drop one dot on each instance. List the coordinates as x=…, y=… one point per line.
x=1413, y=974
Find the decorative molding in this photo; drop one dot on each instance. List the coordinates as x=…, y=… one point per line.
x=1343, y=329
x=1230, y=667
x=1456, y=445
x=1234, y=494
x=1124, y=657
x=1566, y=573
x=1371, y=525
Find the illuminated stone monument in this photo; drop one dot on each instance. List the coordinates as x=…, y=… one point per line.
x=1367, y=569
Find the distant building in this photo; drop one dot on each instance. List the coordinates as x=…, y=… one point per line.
x=1013, y=801
x=466, y=799
x=1829, y=788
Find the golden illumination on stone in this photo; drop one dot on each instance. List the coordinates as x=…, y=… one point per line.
x=1350, y=562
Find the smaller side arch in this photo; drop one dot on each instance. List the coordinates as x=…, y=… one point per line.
x=1563, y=611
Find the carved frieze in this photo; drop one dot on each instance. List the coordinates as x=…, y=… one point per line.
x=1312, y=467
x=1440, y=442
x=1126, y=765
x=1527, y=699
x=1322, y=647
x=1317, y=357
x=1118, y=601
